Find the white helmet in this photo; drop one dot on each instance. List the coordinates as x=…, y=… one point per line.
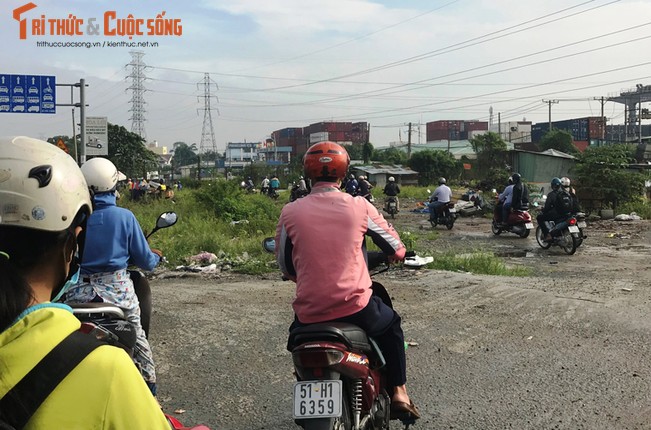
x=41, y=187
x=101, y=174
x=565, y=182
x=391, y=179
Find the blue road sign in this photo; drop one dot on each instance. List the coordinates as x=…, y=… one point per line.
x=27, y=94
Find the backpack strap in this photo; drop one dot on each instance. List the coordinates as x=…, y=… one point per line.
x=20, y=403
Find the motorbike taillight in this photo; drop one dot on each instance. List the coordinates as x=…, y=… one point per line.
x=317, y=358
x=572, y=221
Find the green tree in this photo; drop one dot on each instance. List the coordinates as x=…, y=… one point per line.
x=491, y=160
x=184, y=154
x=128, y=152
x=432, y=164
x=559, y=140
x=602, y=173
x=367, y=151
x=355, y=152
x=390, y=156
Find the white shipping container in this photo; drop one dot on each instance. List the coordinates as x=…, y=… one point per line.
x=318, y=137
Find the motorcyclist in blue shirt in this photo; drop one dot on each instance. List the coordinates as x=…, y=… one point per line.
x=114, y=240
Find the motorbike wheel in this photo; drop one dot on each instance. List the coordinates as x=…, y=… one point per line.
x=579, y=238
x=569, y=243
x=433, y=222
x=539, y=239
x=450, y=223
x=495, y=229
x=524, y=234
x=393, y=215
x=345, y=421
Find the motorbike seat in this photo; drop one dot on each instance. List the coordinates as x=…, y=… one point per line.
x=349, y=334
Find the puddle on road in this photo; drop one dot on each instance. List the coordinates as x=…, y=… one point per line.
x=515, y=253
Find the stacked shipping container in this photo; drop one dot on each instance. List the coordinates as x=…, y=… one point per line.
x=454, y=129
x=581, y=129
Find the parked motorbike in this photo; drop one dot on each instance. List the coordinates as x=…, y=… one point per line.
x=391, y=206
x=340, y=371
x=518, y=222
x=565, y=234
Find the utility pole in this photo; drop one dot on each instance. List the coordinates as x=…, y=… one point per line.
x=602, y=101
x=499, y=124
x=550, y=102
x=409, y=143
x=82, y=112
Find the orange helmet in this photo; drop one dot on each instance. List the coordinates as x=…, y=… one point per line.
x=326, y=161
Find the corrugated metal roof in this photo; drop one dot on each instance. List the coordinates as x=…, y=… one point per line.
x=387, y=169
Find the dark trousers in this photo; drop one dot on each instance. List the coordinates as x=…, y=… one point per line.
x=547, y=216
x=381, y=323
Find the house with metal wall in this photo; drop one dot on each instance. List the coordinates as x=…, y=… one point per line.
x=379, y=174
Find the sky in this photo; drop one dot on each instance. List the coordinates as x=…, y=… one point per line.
x=289, y=63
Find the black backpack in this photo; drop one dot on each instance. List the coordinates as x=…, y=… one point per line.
x=563, y=202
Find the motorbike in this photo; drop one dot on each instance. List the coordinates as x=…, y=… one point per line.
x=581, y=224
x=108, y=323
x=340, y=372
x=446, y=217
x=518, y=222
x=565, y=234
x=391, y=206
x=296, y=193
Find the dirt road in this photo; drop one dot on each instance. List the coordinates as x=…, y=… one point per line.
x=565, y=348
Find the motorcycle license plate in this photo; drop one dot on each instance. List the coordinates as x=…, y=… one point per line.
x=529, y=226
x=317, y=399
x=392, y=205
x=582, y=224
x=573, y=229
x=453, y=210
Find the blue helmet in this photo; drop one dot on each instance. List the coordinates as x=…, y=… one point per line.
x=556, y=183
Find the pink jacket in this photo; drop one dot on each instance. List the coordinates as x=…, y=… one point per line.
x=319, y=245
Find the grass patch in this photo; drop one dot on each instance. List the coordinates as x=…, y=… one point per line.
x=480, y=263
x=232, y=228
x=642, y=207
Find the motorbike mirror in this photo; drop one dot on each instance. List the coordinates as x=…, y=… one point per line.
x=166, y=219
x=493, y=190
x=429, y=191
x=544, y=197
x=269, y=244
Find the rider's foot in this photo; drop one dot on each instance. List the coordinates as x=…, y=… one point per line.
x=404, y=411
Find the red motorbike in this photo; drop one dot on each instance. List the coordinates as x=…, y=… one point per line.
x=518, y=222
x=340, y=371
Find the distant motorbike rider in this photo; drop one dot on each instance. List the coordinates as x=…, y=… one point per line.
x=440, y=198
x=504, y=200
x=566, y=184
x=520, y=199
x=331, y=288
x=364, y=188
x=392, y=189
x=114, y=239
x=264, y=185
x=249, y=185
x=557, y=207
x=274, y=185
x=352, y=185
